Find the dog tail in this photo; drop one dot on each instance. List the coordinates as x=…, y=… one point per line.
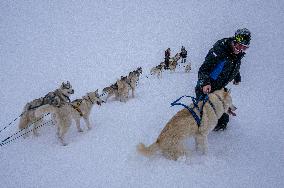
x=147, y=151
x=23, y=121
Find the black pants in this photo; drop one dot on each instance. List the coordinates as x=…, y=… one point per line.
x=167, y=62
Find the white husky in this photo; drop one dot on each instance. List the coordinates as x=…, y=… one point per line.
x=55, y=98
x=75, y=110
x=183, y=125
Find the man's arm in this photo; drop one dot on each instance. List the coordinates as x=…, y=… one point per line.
x=214, y=56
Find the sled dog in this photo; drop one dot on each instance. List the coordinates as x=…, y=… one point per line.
x=157, y=70
x=133, y=78
x=77, y=109
x=123, y=88
x=110, y=91
x=56, y=98
x=183, y=125
x=136, y=74
x=173, y=62
x=187, y=67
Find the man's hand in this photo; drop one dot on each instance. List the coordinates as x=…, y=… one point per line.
x=206, y=89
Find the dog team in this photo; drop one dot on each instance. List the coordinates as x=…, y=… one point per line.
x=120, y=89
x=170, y=142
x=170, y=63
x=63, y=110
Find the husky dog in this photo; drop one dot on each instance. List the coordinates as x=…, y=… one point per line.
x=183, y=125
x=84, y=106
x=74, y=110
x=187, y=67
x=123, y=88
x=173, y=62
x=135, y=73
x=157, y=70
x=55, y=98
x=110, y=91
x=133, y=78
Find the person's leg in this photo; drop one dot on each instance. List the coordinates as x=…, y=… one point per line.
x=167, y=63
x=222, y=122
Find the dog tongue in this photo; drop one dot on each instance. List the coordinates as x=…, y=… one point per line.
x=231, y=112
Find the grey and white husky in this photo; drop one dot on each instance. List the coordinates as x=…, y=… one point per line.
x=56, y=98
x=77, y=109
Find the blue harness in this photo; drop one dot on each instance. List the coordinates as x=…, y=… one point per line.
x=195, y=105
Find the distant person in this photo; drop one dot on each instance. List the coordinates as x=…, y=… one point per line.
x=167, y=58
x=183, y=54
x=221, y=66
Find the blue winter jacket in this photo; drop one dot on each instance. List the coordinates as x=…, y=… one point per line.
x=221, y=66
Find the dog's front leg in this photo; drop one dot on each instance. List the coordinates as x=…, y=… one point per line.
x=132, y=92
x=78, y=125
x=63, y=128
x=37, y=124
x=62, y=131
x=87, y=121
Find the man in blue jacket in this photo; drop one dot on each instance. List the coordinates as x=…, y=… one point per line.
x=221, y=66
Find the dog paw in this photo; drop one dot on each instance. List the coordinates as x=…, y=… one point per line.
x=36, y=134
x=64, y=144
x=182, y=158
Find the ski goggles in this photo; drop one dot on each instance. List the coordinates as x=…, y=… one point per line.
x=243, y=40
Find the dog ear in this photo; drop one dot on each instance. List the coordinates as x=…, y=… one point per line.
x=227, y=90
x=97, y=91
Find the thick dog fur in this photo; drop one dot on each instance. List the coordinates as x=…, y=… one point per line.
x=133, y=79
x=183, y=125
x=157, y=70
x=77, y=109
x=122, y=93
x=137, y=72
x=56, y=98
x=187, y=67
x=173, y=62
x=111, y=91
x=123, y=88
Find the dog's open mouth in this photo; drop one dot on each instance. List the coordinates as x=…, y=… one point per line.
x=231, y=111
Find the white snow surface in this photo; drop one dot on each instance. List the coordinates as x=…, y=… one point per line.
x=92, y=44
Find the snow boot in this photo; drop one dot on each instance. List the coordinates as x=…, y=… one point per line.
x=222, y=123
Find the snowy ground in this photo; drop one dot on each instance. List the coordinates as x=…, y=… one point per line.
x=93, y=43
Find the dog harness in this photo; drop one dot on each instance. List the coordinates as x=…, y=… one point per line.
x=218, y=96
x=76, y=106
x=78, y=102
x=52, y=98
x=195, y=103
